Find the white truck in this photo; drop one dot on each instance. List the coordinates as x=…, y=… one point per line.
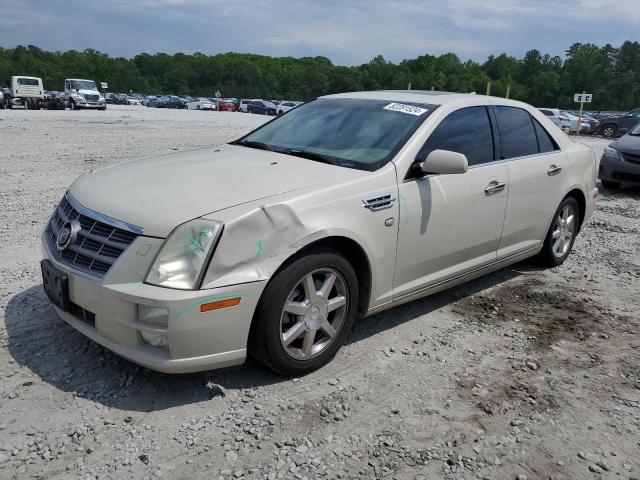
x=25, y=91
x=81, y=93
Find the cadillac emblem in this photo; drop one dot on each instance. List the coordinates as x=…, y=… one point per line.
x=68, y=234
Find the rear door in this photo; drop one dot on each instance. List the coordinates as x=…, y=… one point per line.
x=451, y=224
x=536, y=169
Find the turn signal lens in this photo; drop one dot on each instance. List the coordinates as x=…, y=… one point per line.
x=208, y=307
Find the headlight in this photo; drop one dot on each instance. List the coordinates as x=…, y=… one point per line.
x=611, y=152
x=184, y=254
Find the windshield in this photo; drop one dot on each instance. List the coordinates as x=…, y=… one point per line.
x=82, y=85
x=635, y=130
x=354, y=133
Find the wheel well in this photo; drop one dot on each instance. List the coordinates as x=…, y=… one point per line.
x=355, y=255
x=582, y=203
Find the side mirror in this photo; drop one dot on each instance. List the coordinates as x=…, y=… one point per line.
x=445, y=162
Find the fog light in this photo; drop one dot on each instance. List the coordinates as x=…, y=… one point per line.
x=154, y=339
x=153, y=315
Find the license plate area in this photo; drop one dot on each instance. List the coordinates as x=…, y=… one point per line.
x=56, y=285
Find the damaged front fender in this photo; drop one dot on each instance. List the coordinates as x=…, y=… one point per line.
x=254, y=245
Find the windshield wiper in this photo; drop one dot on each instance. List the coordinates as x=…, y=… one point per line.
x=317, y=157
x=251, y=144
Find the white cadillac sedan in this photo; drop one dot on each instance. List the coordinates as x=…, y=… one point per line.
x=275, y=244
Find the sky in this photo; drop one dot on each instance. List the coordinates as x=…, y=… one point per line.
x=349, y=32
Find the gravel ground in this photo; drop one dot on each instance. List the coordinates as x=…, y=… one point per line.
x=523, y=374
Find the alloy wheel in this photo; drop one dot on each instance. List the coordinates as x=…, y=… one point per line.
x=564, y=229
x=314, y=313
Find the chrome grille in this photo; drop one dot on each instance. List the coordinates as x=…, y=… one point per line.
x=91, y=98
x=98, y=245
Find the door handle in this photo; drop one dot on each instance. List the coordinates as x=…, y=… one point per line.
x=554, y=170
x=494, y=187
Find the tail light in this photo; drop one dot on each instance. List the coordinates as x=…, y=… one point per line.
x=564, y=119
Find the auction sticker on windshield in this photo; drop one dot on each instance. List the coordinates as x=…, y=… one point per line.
x=410, y=109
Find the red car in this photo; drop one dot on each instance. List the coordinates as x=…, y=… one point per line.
x=227, y=106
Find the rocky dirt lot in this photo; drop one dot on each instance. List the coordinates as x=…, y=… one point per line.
x=523, y=374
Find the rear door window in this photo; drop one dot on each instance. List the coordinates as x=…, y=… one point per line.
x=517, y=133
x=467, y=131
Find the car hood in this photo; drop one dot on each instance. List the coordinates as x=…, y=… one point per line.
x=627, y=143
x=159, y=193
x=83, y=91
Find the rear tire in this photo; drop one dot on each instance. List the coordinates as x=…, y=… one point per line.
x=562, y=234
x=609, y=185
x=301, y=341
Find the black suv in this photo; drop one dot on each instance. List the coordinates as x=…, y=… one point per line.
x=616, y=126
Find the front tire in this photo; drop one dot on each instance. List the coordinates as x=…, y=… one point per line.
x=562, y=234
x=305, y=313
x=72, y=105
x=609, y=131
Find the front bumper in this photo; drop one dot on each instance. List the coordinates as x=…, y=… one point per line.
x=618, y=170
x=108, y=314
x=91, y=105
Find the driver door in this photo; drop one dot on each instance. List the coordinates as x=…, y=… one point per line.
x=452, y=224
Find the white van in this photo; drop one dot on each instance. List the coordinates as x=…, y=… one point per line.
x=79, y=93
x=27, y=91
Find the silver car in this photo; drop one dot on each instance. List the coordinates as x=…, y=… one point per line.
x=275, y=244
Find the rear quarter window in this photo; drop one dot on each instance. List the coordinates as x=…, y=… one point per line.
x=546, y=143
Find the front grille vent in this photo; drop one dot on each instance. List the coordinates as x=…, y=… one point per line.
x=83, y=314
x=98, y=244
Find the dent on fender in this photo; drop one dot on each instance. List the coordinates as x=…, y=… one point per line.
x=253, y=246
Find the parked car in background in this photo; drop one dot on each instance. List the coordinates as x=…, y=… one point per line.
x=53, y=101
x=594, y=123
x=133, y=101
x=145, y=100
x=80, y=93
x=226, y=105
x=261, y=107
x=556, y=116
x=2, y=105
x=484, y=182
x=112, y=98
x=284, y=107
x=25, y=91
x=244, y=104
x=201, y=104
x=615, y=126
x=585, y=126
x=620, y=162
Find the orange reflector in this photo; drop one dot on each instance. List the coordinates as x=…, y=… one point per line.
x=230, y=302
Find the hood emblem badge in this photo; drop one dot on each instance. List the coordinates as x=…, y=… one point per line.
x=68, y=234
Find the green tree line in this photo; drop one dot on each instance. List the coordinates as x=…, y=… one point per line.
x=611, y=74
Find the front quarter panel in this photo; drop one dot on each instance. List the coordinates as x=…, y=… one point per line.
x=257, y=239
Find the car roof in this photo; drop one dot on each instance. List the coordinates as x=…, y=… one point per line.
x=430, y=97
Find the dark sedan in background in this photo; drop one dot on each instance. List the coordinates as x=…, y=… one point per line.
x=620, y=161
x=53, y=101
x=261, y=107
x=615, y=126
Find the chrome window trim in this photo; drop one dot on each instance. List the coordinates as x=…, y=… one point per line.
x=101, y=217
